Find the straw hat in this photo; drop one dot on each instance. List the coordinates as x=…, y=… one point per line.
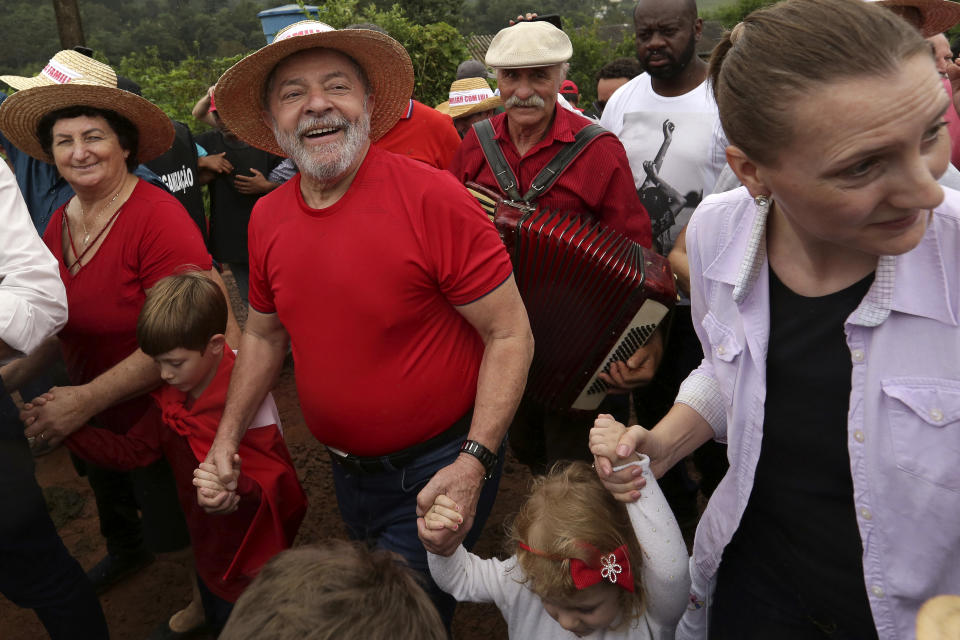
x=469, y=96
x=72, y=79
x=528, y=44
x=937, y=15
x=385, y=62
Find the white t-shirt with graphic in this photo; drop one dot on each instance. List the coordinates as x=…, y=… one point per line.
x=685, y=132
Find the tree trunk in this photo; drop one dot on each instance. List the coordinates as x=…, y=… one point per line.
x=68, y=23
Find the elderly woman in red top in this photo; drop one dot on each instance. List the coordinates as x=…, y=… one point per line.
x=113, y=240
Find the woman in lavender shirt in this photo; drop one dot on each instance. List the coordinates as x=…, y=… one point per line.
x=826, y=293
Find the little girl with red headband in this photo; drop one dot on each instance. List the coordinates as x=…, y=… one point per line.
x=583, y=564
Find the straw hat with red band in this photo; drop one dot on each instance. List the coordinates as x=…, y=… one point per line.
x=72, y=79
x=468, y=96
x=936, y=15
x=384, y=61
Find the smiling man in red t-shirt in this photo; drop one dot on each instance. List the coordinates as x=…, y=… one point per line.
x=410, y=338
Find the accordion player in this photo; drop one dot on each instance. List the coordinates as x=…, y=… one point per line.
x=593, y=297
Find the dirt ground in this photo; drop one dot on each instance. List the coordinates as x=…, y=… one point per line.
x=137, y=606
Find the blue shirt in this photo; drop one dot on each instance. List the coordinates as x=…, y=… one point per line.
x=42, y=186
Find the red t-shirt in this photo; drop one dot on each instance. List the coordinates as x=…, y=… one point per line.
x=366, y=288
x=423, y=134
x=598, y=182
x=152, y=237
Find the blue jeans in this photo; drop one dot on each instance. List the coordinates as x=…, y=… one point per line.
x=381, y=509
x=36, y=570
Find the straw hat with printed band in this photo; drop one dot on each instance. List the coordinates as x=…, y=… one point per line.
x=469, y=96
x=385, y=62
x=72, y=79
x=937, y=15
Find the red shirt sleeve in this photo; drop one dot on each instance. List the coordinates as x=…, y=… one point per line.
x=464, y=165
x=260, y=295
x=138, y=447
x=469, y=258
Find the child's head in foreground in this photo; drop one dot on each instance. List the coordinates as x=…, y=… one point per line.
x=181, y=326
x=565, y=535
x=335, y=590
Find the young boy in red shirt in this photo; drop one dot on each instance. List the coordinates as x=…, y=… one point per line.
x=181, y=325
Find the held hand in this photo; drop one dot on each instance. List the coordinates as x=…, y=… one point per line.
x=56, y=414
x=212, y=496
x=639, y=368
x=216, y=162
x=606, y=436
x=223, y=456
x=444, y=514
x=252, y=184
x=461, y=482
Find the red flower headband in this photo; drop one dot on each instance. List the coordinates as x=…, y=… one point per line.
x=614, y=567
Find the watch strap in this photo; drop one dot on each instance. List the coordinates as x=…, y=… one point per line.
x=486, y=457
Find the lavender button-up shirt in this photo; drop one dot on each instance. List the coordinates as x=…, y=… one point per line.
x=903, y=425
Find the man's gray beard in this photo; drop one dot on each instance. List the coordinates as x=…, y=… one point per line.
x=338, y=156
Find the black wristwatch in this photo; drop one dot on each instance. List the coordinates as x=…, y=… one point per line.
x=486, y=457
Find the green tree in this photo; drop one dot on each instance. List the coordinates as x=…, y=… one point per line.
x=729, y=15
x=435, y=49
x=594, y=46
x=426, y=12
x=174, y=86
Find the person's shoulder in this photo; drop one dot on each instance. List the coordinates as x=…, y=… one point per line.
x=949, y=209
x=412, y=175
x=628, y=91
x=719, y=211
x=279, y=199
x=148, y=193
x=429, y=114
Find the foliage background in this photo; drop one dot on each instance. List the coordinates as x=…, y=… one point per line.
x=176, y=49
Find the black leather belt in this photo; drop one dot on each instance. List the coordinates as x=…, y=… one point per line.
x=400, y=459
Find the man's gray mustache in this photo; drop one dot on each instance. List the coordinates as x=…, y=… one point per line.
x=532, y=101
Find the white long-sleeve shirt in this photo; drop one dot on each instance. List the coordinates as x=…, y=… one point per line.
x=33, y=302
x=665, y=578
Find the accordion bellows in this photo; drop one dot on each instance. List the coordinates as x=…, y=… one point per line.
x=593, y=297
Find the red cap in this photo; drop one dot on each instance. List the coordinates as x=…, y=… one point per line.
x=569, y=87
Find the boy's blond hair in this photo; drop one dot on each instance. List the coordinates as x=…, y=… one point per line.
x=183, y=310
x=337, y=590
x=570, y=514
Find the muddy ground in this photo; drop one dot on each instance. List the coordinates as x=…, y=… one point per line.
x=137, y=606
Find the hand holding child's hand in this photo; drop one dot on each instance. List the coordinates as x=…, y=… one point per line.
x=212, y=496
x=605, y=437
x=444, y=514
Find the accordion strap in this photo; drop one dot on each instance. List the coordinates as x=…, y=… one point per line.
x=547, y=176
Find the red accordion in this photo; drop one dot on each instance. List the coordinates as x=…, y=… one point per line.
x=593, y=297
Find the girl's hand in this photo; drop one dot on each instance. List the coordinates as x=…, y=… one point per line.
x=444, y=514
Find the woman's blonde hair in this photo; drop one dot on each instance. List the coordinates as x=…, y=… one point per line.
x=569, y=514
x=781, y=54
